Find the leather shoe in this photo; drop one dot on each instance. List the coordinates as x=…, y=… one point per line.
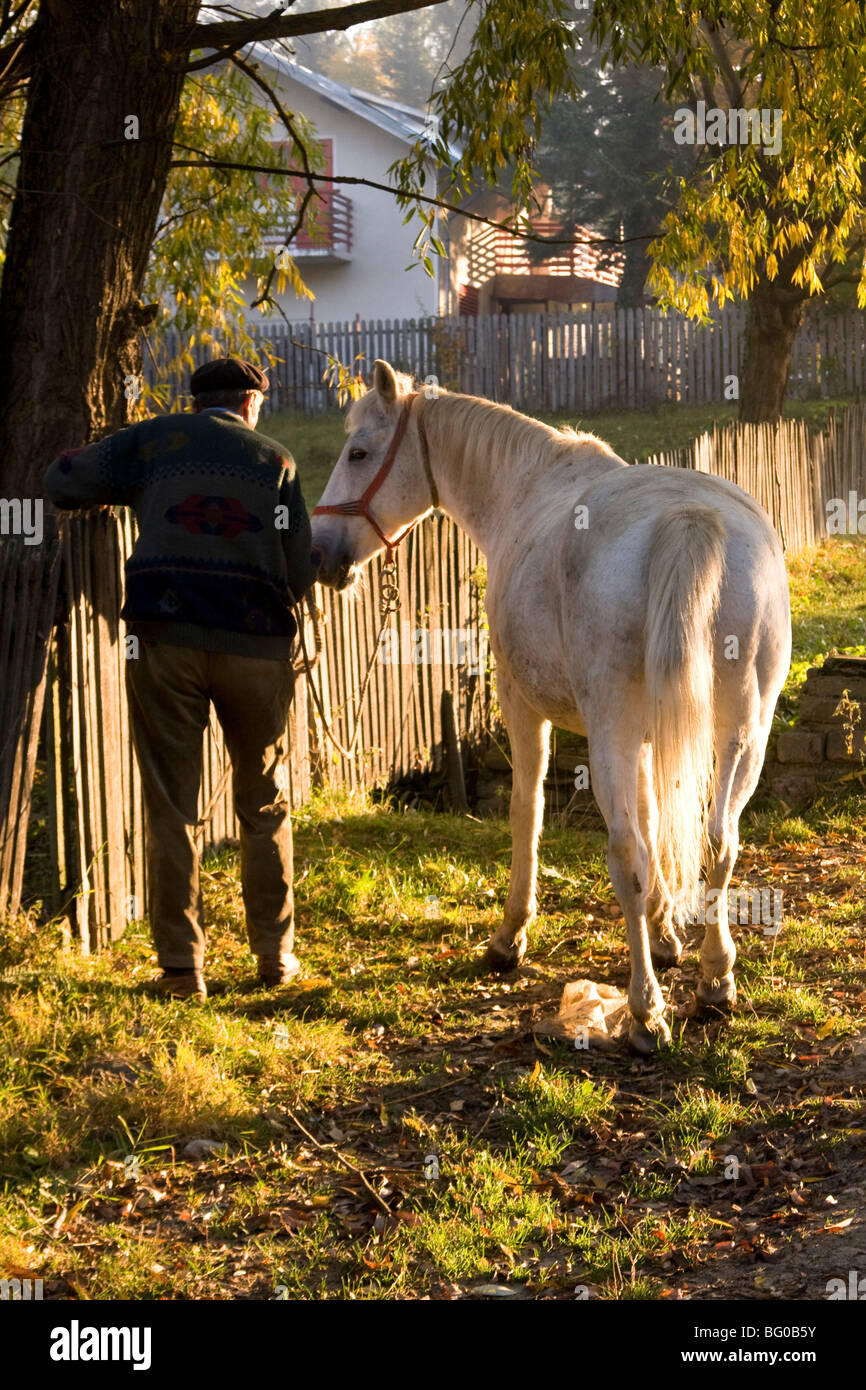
x=278, y=970
x=190, y=985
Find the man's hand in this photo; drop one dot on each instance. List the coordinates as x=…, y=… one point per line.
x=64, y=461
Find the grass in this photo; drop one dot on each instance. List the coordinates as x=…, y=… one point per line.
x=426, y=1078
x=828, y=610
x=696, y=1116
x=500, y=1160
x=316, y=440
x=390, y=1126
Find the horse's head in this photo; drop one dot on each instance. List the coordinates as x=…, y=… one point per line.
x=381, y=483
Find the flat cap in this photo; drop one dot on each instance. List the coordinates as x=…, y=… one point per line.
x=227, y=374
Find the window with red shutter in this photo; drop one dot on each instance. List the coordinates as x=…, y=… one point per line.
x=327, y=227
x=315, y=234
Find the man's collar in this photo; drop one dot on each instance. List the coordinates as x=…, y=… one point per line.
x=223, y=410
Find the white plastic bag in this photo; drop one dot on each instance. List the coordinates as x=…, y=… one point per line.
x=590, y=1015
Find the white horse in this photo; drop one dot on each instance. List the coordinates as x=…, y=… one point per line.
x=644, y=607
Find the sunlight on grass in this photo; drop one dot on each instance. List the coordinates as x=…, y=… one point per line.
x=698, y=1116
x=550, y=1107
x=828, y=610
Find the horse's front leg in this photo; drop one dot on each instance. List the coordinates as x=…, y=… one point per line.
x=530, y=745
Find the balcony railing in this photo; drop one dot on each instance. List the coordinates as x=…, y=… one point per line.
x=326, y=230
x=494, y=252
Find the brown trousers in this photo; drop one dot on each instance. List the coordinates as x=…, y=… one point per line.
x=170, y=690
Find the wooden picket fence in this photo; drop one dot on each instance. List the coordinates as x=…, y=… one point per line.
x=606, y=357
x=792, y=469
x=602, y=357
x=94, y=812
x=28, y=583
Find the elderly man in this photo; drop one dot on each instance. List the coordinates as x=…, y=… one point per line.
x=222, y=558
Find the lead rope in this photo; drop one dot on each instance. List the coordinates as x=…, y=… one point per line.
x=389, y=602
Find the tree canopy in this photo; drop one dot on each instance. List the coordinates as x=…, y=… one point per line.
x=797, y=214
x=218, y=230
x=610, y=161
x=771, y=222
x=403, y=57
x=96, y=223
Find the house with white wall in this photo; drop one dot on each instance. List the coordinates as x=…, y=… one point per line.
x=352, y=252
x=354, y=247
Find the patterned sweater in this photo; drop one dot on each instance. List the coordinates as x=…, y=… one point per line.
x=224, y=546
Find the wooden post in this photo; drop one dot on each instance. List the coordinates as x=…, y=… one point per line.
x=453, y=757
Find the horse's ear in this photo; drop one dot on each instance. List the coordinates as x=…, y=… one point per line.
x=385, y=381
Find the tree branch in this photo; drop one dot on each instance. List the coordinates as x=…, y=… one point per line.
x=15, y=60
x=195, y=206
x=10, y=18
x=206, y=163
x=831, y=280
x=715, y=40
x=842, y=272
x=228, y=35
x=311, y=192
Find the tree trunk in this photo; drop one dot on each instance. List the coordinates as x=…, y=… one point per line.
x=636, y=268
x=773, y=318
x=82, y=223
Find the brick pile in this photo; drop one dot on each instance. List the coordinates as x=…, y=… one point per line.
x=828, y=741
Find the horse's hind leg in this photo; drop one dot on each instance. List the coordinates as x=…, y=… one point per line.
x=739, y=758
x=530, y=743
x=665, y=946
x=614, y=767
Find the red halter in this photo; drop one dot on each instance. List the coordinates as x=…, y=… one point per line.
x=361, y=505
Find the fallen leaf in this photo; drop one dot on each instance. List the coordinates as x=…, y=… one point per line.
x=495, y=1291
x=203, y=1148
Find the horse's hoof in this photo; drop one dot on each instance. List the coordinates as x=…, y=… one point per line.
x=665, y=953
x=646, y=1040
x=719, y=995
x=499, y=960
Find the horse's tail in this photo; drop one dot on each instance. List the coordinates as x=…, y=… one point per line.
x=687, y=559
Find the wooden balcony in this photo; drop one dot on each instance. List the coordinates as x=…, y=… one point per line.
x=493, y=252
x=326, y=235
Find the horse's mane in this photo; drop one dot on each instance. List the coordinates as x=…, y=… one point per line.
x=474, y=422
x=499, y=431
